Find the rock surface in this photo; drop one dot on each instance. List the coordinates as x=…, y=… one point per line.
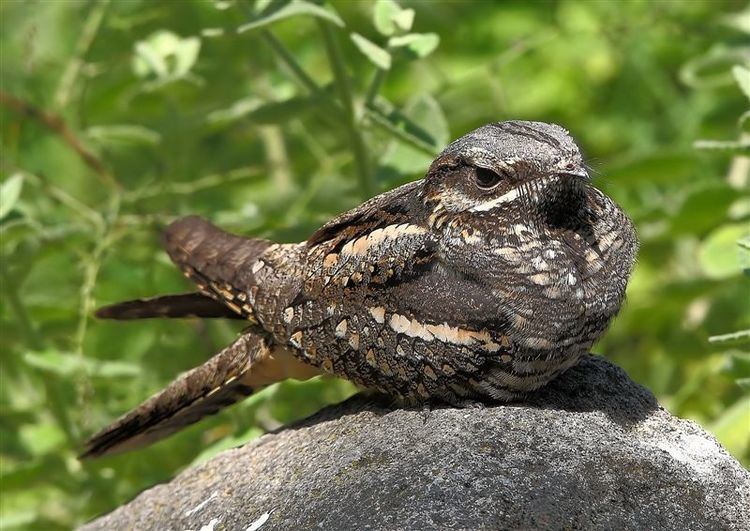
x=593, y=450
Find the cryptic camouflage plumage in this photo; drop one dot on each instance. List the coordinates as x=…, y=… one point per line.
x=482, y=281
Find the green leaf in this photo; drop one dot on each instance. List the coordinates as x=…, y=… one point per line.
x=41, y=439
x=742, y=75
x=713, y=69
x=739, y=21
x=719, y=253
x=123, y=134
x=186, y=54
x=55, y=362
x=165, y=55
x=293, y=8
x=692, y=216
x=10, y=191
x=419, y=44
x=404, y=19
x=67, y=364
x=743, y=120
x=383, y=15
x=660, y=167
x=255, y=111
x=739, y=147
x=732, y=427
x=113, y=369
x=226, y=443
x=262, y=5
x=389, y=17
x=739, y=337
x=377, y=55
x=425, y=111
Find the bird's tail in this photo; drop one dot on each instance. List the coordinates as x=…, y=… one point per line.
x=247, y=365
x=218, y=262
x=182, y=305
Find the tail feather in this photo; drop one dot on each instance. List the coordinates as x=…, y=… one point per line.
x=182, y=305
x=218, y=262
x=198, y=393
x=247, y=365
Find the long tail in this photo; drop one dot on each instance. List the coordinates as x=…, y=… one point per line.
x=183, y=305
x=218, y=262
x=249, y=364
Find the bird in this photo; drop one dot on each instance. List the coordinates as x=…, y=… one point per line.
x=479, y=283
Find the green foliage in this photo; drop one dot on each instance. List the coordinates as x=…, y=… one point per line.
x=270, y=117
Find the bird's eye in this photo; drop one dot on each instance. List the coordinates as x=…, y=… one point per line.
x=487, y=179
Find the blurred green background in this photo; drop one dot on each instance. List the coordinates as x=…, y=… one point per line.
x=270, y=117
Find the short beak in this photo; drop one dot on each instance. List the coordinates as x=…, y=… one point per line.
x=579, y=173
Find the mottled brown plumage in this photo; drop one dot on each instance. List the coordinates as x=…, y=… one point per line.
x=482, y=281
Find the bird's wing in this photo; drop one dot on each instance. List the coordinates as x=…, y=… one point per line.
x=371, y=305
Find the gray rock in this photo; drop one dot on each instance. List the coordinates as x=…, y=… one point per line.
x=593, y=450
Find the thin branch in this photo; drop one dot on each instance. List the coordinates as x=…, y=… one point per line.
x=88, y=34
x=58, y=126
x=79, y=208
x=374, y=88
x=288, y=59
x=356, y=140
x=25, y=325
x=381, y=121
x=186, y=188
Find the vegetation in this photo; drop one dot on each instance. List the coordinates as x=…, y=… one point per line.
x=270, y=117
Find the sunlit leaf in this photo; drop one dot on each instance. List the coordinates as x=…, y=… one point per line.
x=420, y=44
x=432, y=129
x=692, y=218
x=123, y=134
x=740, y=337
x=730, y=147
x=255, y=111
x=165, y=55
x=10, y=191
x=719, y=253
x=293, y=8
x=739, y=21
x=377, y=55
x=713, y=69
x=40, y=439
x=186, y=54
x=404, y=19
x=389, y=17
x=732, y=427
x=742, y=75
x=226, y=443
x=659, y=167
x=383, y=13
x=66, y=364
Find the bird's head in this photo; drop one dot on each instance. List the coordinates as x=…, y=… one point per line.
x=506, y=173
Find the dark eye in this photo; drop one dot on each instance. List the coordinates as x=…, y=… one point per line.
x=487, y=179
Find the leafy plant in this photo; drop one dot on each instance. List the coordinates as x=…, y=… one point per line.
x=270, y=117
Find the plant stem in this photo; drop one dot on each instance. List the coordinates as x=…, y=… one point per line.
x=86, y=38
x=415, y=142
x=374, y=88
x=286, y=56
x=356, y=140
x=25, y=325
